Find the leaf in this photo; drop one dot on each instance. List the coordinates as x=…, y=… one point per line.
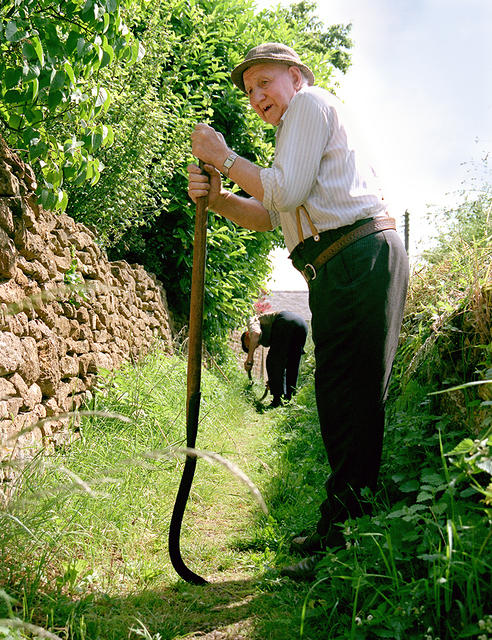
x=38, y=47
x=47, y=198
x=81, y=177
x=28, y=51
x=409, y=486
x=35, y=88
x=34, y=116
x=54, y=99
x=433, y=479
x=97, y=141
x=57, y=80
x=141, y=51
x=80, y=46
x=69, y=71
x=463, y=447
x=12, y=77
x=11, y=31
x=72, y=41
x=30, y=71
x=102, y=97
x=13, y=96
x=485, y=465
x=62, y=200
x=15, y=121
x=106, y=58
x=108, y=135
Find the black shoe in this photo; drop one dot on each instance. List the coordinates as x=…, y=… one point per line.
x=303, y=570
x=276, y=402
x=306, y=545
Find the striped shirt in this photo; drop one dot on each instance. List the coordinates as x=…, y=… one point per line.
x=318, y=164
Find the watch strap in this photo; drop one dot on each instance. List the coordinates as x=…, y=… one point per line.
x=228, y=162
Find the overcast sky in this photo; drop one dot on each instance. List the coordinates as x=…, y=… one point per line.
x=420, y=86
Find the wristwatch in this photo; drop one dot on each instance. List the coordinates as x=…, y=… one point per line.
x=228, y=162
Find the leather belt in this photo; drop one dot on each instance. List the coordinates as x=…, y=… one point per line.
x=310, y=270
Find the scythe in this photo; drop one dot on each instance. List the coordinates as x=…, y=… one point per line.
x=193, y=388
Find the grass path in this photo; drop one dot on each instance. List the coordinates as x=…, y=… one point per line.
x=237, y=603
x=97, y=565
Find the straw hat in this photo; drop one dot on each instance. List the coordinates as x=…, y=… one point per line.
x=269, y=52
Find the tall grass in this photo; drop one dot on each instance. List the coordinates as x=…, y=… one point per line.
x=90, y=521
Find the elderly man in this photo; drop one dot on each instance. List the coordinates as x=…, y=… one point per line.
x=326, y=197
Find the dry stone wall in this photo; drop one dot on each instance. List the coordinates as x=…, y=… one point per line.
x=65, y=312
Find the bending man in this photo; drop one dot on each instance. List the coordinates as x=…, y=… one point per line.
x=285, y=333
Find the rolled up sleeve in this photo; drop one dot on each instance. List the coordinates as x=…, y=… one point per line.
x=267, y=180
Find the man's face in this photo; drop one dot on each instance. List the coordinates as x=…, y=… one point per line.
x=270, y=88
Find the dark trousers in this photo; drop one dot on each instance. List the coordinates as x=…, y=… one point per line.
x=288, y=337
x=357, y=302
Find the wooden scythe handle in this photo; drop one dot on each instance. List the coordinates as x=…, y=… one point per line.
x=195, y=338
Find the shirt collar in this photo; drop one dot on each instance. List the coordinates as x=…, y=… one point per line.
x=301, y=90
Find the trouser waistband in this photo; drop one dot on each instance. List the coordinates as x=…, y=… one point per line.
x=307, y=251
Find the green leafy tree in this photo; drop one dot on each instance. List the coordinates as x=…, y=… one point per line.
x=140, y=205
x=332, y=42
x=51, y=56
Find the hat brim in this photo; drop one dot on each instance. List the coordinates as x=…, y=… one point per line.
x=237, y=72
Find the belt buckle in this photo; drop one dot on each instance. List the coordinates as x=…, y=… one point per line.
x=306, y=275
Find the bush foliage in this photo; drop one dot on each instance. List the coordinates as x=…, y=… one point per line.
x=108, y=128
x=53, y=94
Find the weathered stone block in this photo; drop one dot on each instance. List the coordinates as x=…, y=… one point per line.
x=82, y=315
x=62, y=326
x=101, y=336
x=34, y=269
x=6, y=216
x=69, y=367
x=9, y=409
x=78, y=346
x=7, y=389
x=11, y=292
x=18, y=324
x=85, y=333
x=62, y=262
x=8, y=256
x=9, y=185
x=103, y=360
x=20, y=386
x=52, y=408
x=33, y=398
x=49, y=365
x=29, y=368
x=87, y=364
x=38, y=330
x=29, y=244
x=82, y=240
x=11, y=353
